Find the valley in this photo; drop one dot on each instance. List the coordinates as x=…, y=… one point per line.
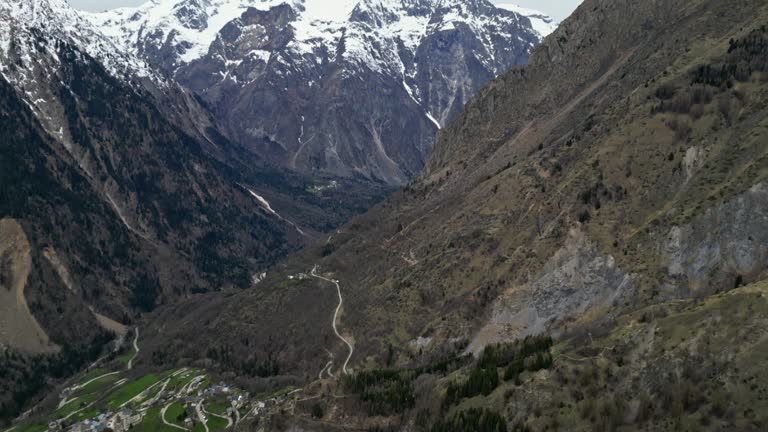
x=386, y=215
x=110, y=394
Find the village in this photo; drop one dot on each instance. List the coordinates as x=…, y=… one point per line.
x=183, y=399
x=180, y=400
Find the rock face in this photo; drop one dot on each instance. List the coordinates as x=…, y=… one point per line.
x=574, y=284
x=353, y=88
x=722, y=248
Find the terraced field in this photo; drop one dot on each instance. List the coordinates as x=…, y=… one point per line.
x=129, y=391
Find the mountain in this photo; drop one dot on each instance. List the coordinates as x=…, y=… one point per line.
x=119, y=194
x=611, y=194
x=351, y=89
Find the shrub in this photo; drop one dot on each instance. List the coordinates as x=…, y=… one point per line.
x=585, y=216
x=482, y=380
x=327, y=249
x=475, y=420
x=317, y=411
x=665, y=91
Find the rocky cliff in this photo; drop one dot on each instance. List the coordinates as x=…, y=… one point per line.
x=353, y=88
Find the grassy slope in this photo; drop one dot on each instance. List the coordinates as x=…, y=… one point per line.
x=153, y=422
x=216, y=423
x=172, y=414
x=131, y=390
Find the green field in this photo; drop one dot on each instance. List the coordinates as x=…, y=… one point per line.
x=98, y=384
x=183, y=379
x=85, y=414
x=131, y=390
x=173, y=413
x=217, y=405
x=32, y=428
x=152, y=422
x=72, y=406
x=93, y=374
x=216, y=423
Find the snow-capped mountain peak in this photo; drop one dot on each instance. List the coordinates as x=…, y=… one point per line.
x=542, y=23
x=185, y=29
x=56, y=20
x=420, y=60
x=43, y=43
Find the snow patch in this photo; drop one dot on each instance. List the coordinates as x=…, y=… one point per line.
x=371, y=43
x=541, y=22
x=265, y=204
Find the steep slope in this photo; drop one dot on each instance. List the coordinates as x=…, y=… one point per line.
x=353, y=89
x=120, y=194
x=167, y=194
x=625, y=166
x=677, y=365
x=48, y=209
x=190, y=196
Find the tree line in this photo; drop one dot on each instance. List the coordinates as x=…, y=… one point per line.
x=528, y=354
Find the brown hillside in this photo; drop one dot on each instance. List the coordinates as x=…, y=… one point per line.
x=624, y=167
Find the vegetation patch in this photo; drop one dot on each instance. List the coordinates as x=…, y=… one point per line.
x=175, y=414
x=389, y=392
x=131, y=390
x=384, y=392
x=529, y=354
x=216, y=423
x=153, y=422
x=473, y=420
x=217, y=405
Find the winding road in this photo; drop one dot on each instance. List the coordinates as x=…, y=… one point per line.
x=201, y=416
x=228, y=419
x=74, y=388
x=237, y=417
x=327, y=366
x=79, y=386
x=335, y=316
x=135, y=347
x=162, y=416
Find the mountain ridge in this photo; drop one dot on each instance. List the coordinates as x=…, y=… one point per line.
x=270, y=66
